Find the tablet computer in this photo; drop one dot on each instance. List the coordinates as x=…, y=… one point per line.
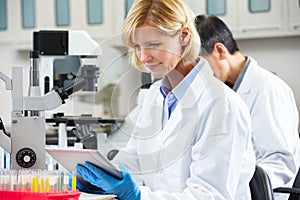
x=69, y=158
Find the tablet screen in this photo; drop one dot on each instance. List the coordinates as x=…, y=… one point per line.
x=69, y=158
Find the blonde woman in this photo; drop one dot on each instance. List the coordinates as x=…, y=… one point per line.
x=192, y=138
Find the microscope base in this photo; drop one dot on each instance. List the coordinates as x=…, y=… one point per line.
x=28, y=136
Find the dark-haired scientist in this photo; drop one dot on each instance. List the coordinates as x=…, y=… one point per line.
x=270, y=100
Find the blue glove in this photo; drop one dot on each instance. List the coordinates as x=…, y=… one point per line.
x=86, y=187
x=125, y=189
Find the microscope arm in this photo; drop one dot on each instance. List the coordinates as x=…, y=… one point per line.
x=49, y=101
x=7, y=81
x=52, y=99
x=5, y=141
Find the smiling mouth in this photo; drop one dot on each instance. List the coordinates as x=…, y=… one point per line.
x=152, y=67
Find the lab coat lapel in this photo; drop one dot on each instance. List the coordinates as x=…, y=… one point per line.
x=167, y=145
x=178, y=136
x=181, y=127
x=149, y=125
x=183, y=111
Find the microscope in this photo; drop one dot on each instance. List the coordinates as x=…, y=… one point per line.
x=55, y=45
x=47, y=91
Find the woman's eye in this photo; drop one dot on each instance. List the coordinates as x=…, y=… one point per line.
x=154, y=45
x=137, y=47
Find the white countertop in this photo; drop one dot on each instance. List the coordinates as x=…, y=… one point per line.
x=86, y=196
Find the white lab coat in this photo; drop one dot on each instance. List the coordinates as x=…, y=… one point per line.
x=203, y=152
x=274, y=123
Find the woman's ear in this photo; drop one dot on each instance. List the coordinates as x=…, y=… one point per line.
x=185, y=35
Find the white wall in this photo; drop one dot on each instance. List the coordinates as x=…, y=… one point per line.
x=280, y=55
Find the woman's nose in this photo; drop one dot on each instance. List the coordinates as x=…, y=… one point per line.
x=145, y=55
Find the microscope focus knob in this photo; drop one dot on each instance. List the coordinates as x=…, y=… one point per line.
x=26, y=157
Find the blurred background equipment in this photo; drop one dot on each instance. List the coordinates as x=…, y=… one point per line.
x=28, y=130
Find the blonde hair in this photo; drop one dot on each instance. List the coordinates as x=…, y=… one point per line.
x=169, y=16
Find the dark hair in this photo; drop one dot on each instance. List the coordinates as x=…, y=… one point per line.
x=212, y=30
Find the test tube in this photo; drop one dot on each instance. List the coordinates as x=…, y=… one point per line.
x=28, y=180
x=52, y=182
x=33, y=178
x=73, y=180
x=24, y=180
x=47, y=184
x=42, y=184
x=65, y=181
x=1, y=171
x=6, y=181
x=58, y=182
x=19, y=181
x=1, y=179
x=13, y=180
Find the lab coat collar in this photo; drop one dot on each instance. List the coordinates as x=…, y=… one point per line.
x=198, y=85
x=192, y=94
x=152, y=118
x=246, y=81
